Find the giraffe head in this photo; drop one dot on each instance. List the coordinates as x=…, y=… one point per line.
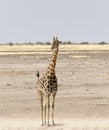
x=55, y=43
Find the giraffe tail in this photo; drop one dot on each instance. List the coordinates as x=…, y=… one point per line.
x=37, y=74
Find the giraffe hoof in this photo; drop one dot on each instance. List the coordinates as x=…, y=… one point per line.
x=48, y=125
x=53, y=123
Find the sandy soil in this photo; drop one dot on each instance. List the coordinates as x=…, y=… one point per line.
x=82, y=101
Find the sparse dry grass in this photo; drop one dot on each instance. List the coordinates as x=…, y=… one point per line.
x=85, y=47
x=11, y=73
x=33, y=48
x=46, y=49
x=79, y=56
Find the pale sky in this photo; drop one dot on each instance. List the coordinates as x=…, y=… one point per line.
x=40, y=20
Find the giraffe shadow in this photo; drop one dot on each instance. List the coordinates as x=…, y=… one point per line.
x=52, y=126
x=55, y=127
x=59, y=124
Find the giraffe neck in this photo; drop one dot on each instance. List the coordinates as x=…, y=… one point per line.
x=52, y=64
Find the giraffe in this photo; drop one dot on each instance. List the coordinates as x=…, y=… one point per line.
x=47, y=86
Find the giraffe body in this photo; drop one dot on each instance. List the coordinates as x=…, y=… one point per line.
x=47, y=85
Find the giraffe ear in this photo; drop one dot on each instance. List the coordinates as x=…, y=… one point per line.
x=53, y=39
x=56, y=38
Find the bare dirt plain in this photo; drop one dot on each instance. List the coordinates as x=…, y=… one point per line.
x=82, y=101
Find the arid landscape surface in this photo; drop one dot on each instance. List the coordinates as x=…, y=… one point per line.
x=82, y=101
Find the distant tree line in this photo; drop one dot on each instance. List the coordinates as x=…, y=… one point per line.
x=48, y=43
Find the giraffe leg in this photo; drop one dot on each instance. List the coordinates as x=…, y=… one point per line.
x=42, y=111
x=48, y=108
x=53, y=100
x=45, y=105
x=40, y=95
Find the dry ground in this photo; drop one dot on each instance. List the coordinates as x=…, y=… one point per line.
x=82, y=101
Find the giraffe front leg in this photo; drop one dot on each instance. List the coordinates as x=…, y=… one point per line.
x=53, y=100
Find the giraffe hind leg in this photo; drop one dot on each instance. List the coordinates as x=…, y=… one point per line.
x=45, y=106
x=42, y=111
x=40, y=95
